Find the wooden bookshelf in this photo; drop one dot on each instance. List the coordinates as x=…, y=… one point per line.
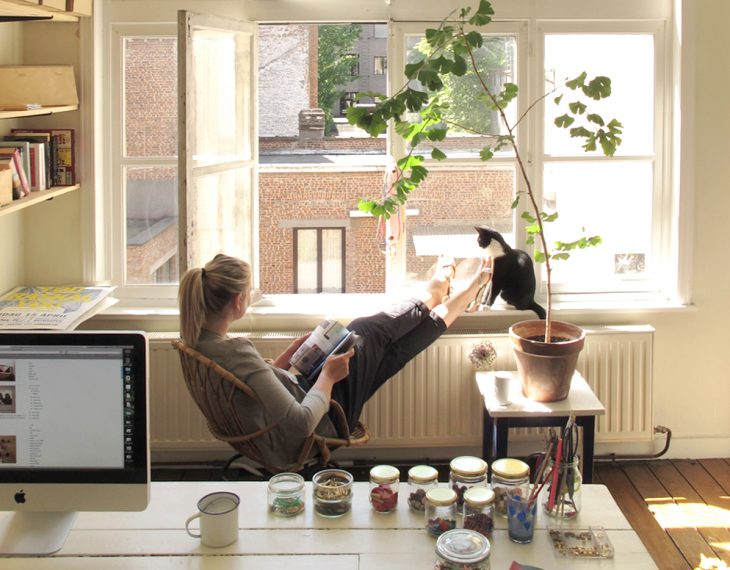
x=36, y=198
x=37, y=112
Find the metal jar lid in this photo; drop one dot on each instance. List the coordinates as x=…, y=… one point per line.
x=441, y=496
x=479, y=496
x=509, y=468
x=468, y=466
x=384, y=474
x=463, y=546
x=423, y=474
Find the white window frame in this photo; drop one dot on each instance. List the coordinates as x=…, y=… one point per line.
x=622, y=17
x=115, y=207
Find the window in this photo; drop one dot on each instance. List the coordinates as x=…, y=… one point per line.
x=309, y=167
x=319, y=259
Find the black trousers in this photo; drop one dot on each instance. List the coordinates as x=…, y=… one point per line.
x=389, y=339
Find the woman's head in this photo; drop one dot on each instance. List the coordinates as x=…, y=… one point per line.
x=207, y=292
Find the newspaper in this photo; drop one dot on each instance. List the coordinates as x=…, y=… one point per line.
x=54, y=308
x=328, y=338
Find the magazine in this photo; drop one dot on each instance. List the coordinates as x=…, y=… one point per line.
x=330, y=337
x=56, y=308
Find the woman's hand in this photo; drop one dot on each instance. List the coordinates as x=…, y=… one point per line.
x=283, y=360
x=335, y=369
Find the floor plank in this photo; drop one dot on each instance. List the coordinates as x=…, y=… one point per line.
x=694, y=540
x=720, y=471
x=662, y=549
x=710, y=510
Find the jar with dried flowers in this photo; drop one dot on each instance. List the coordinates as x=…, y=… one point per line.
x=482, y=356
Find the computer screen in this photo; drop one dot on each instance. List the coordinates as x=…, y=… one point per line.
x=73, y=432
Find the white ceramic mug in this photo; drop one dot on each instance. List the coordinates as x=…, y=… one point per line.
x=218, y=514
x=501, y=387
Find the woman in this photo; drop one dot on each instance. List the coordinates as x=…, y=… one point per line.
x=213, y=297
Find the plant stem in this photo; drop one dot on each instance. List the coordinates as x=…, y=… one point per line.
x=525, y=179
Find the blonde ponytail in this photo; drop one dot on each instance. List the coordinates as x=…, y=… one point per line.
x=205, y=292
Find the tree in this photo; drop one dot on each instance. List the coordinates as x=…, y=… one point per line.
x=335, y=61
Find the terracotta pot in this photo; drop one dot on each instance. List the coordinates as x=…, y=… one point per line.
x=546, y=368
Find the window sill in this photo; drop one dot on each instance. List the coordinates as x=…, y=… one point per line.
x=299, y=312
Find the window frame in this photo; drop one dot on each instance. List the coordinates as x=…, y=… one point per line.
x=666, y=194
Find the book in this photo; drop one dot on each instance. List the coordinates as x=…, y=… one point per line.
x=14, y=154
x=55, y=308
x=41, y=138
x=63, y=150
x=330, y=337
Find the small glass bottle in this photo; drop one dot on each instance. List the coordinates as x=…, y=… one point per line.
x=384, y=480
x=440, y=510
x=463, y=549
x=332, y=492
x=286, y=494
x=421, y=478
x=466, y=471
x=567, y=500
x=479, y=510
x=509, y=477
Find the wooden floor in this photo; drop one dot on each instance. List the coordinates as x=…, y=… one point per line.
x=679, y=507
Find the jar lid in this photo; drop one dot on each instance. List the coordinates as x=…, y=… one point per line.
x=423, y=473
x=479, y=496
x=441, y=496
x=463, y=546
x=384, y=473
x=468, y=466
x=510, y=468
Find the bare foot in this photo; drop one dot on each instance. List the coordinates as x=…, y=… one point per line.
x=439, y=288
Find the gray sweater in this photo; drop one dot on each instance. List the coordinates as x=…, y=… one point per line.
x=283, y=400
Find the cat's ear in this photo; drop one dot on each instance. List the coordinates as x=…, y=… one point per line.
x=480, y=229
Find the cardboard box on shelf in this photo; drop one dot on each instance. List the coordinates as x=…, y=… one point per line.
x=37, y=85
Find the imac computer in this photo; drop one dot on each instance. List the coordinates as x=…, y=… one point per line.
x=73, y=432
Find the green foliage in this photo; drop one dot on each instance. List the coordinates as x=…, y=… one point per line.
x=452, y=88
x=334, y=62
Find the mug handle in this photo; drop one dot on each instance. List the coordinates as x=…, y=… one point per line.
x=187, y=525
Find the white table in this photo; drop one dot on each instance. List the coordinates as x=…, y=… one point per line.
x=523, y=412
x=362, y=540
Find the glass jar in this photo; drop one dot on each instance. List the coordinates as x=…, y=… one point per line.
x=465, y=472
x=421, y=478
x=332, y=492
x=567, y=501
x=462, y=549
x=384, y=480
x=286, y=494
x=479, y=510
x=440, y=511
x=509, y=477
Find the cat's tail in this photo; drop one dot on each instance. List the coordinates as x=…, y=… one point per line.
x=541, y=314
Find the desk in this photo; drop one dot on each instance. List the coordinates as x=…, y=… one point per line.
x=523, y=412
x=361, y=540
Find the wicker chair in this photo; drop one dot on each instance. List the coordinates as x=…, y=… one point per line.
x=213, y=388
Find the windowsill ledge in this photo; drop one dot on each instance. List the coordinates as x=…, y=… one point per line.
x=295, y=312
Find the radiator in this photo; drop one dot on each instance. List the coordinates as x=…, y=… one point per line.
x=433, y=402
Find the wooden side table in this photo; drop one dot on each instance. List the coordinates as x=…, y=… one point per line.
x=523, y=412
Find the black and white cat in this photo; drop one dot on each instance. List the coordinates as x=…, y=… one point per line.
x=513, y=274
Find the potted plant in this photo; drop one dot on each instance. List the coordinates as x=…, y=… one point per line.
x=546, y=351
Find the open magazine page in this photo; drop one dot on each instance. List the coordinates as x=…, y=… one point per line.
x=323, y=341
x=56, y=308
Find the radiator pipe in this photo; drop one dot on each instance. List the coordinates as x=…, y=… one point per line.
x=639, y=456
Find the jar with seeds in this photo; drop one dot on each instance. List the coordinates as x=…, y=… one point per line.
x=332, y=492
x=510, y=477
x=465, y=472
x=421, y=478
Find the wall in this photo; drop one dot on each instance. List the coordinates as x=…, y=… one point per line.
x=692, y=396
